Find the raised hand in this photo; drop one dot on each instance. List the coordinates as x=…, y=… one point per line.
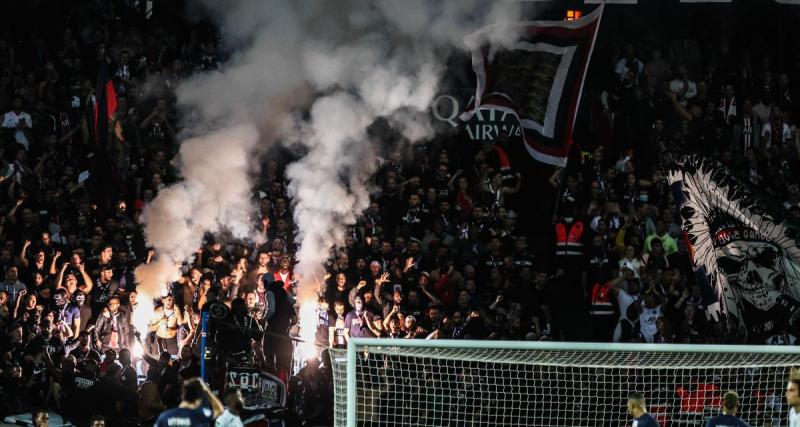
x=384, y=278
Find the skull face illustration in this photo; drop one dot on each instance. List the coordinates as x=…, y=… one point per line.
x=754, y=272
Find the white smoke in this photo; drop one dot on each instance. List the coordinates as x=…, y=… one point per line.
x=363, y=59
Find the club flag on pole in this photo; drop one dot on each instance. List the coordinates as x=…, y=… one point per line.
x=105, y=103
x=538, y=78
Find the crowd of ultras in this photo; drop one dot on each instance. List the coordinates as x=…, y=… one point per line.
x=439, y=253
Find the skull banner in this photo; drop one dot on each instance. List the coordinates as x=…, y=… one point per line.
x=746, y=261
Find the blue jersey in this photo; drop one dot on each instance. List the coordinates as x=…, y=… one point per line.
x=726, y=421
x=645, y=420
x=184, y=417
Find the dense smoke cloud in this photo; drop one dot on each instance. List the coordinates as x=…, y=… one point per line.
x=363, y=60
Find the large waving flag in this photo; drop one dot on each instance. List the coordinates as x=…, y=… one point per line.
x=746, y=260
x=538, y=79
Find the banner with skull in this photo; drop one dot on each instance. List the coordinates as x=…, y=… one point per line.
x=745, y=259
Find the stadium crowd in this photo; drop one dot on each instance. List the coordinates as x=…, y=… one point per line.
x=446, y=249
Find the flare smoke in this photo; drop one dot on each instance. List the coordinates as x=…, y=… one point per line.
x=362, y=59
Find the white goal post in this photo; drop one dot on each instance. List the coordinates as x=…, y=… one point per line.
x=382, y=382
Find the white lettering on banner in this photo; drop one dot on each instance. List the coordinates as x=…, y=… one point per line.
x=488, y=132
x=83, y=383
x=450, y=112
x=485, y=125
x=243, y=380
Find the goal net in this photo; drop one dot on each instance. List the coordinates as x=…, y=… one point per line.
x=379, y=382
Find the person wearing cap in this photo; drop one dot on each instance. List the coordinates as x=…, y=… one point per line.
x=375, y=268
x=411, y=329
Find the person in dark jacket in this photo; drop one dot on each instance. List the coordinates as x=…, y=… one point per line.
x=280, y=317
x=113, y=328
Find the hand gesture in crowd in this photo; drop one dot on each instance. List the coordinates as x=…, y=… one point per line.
x=383, y=278
x=361, y=284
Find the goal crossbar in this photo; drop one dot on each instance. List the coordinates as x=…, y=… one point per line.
x=653, y=357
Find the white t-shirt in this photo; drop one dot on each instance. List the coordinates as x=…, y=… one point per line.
x=647, y=322
x=228, y=420
x=677, y=86
x=794, y=418
x=623, y=66
x=11, y=119
x=766, y=132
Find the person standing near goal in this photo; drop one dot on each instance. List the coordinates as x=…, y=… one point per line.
x=636, y=409
x=730, y=405
x=793, y=397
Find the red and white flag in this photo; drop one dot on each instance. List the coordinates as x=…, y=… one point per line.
x=538, y=78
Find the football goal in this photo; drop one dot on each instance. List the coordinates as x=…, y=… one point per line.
x=381, y=382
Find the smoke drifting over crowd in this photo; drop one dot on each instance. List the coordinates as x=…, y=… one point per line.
x=363, y=60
